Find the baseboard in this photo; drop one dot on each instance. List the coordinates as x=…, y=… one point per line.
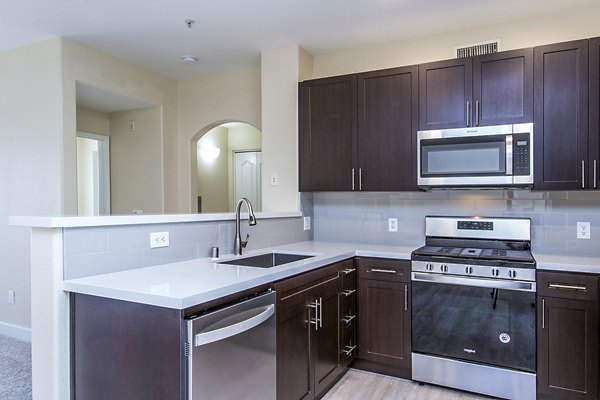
x=15, y=332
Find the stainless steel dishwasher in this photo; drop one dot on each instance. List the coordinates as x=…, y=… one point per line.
x=232, y=351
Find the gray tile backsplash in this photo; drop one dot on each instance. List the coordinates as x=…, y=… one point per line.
x=362, y=217
x=99, y=250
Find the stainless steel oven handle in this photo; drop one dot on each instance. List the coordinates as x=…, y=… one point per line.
x=235, y=329
x=487, y=283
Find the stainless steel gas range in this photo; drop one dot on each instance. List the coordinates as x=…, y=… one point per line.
x=473, y=306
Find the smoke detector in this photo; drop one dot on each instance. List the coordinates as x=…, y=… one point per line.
x=189, y=59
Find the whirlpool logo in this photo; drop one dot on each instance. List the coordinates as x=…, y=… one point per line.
x=470, y=351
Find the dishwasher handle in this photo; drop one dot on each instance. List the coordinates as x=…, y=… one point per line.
x=234, y=329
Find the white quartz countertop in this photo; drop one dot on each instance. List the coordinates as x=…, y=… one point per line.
x=567, y=263
x=188, y=283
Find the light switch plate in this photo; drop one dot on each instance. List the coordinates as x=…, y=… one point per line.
x=307, y=223
x=274, y=179
x=393, y=224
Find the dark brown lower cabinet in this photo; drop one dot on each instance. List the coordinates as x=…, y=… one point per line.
x=384, y=328
x=308, y=333
x=567, y=336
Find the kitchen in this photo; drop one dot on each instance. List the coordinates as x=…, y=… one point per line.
x=362, y=217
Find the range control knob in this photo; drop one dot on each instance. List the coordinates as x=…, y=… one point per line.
x=444, y=268
x=429, y=267
x=512, y=273
x=468, y=270
x=495, y=272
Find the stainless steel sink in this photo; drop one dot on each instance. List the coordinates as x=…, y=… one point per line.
x=267, y=260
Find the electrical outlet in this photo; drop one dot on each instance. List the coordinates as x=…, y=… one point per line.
x=393, y=224
x=274, y=179
x=307, y=223
x=584, y=230
x=159, y=239
x=11, y=297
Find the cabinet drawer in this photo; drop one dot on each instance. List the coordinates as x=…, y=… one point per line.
x=568, y=285
x=383, y=269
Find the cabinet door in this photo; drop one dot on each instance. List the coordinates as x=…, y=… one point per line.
x=503, y=88
x=384, y=327
x=295, y=379
x=561, y=116
x=387, y=126
x=594, y=113
x=327, y=338
x=327, y=133
x=567, y=349
x=445, y=91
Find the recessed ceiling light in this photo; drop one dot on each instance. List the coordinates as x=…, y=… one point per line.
x=189, y=59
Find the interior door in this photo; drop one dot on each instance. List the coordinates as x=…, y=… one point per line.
x=247, y=177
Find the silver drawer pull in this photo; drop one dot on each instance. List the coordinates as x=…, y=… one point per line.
x=348, y=292
x=384, y=271
x=348, y=350
x=567, y=287
x=348, y=318
x=348, y=271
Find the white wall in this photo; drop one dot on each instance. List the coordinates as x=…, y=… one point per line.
x=205, y=103
x=282, y=68
x=213, y=175
x=559, y=27
x=136, y=159
x=31, y=128
x=92, y=121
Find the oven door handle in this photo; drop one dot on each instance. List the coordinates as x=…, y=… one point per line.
x=486, y=283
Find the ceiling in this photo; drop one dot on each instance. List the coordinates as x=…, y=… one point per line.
x=230, y=34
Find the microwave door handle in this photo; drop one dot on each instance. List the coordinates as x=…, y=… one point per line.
x=509, y=155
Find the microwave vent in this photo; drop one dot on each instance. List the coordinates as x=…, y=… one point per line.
x=477, y=49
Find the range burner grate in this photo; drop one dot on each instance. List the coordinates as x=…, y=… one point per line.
x=446, y=250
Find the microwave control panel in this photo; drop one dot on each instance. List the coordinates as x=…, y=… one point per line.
x=521, y=154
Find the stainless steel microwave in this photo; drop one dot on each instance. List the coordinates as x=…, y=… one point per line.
x=490, y=156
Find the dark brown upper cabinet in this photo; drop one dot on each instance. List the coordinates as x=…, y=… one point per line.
x=358, y=132
x=594, y=113
x=486, y=90
x=387, y=126
x=445, y=94
x=561, y=148
x=327, y=134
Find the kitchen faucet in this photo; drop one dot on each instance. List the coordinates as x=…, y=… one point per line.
x=238, y=243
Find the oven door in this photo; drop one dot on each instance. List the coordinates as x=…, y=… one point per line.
x=485, y=321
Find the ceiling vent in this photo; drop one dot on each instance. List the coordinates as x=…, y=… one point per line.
x=477, y=49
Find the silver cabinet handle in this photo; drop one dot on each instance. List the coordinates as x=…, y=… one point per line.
x=468, y=112
x=476, y=112
x=347, y=271
x=595, y=172
x=360, y=179
x=348, y=292
x=235, y=329
x=320, y=312
x=384, y=271
x=543, y=313
x=348, y=318
x=315, y=320
x=348, y=350
x=567, y=287
x=352, y=178
x=583, y=174
x=405, y=297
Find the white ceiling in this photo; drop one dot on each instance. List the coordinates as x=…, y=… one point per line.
x=230, y=34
